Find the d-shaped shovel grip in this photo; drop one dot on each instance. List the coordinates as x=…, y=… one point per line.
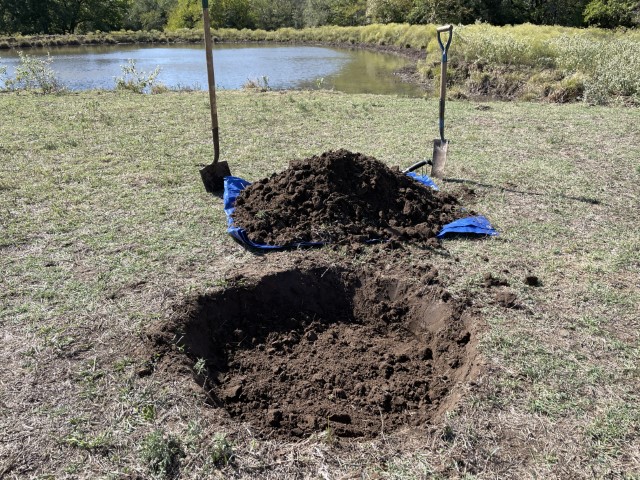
x=443, y=47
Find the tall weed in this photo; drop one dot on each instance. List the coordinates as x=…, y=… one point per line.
x=617, y=75
x=611, y=66
x=486, y=44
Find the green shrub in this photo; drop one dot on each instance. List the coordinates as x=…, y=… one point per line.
x=34, y=74
x=3, y=72
x=611, y=66
x=136, y=81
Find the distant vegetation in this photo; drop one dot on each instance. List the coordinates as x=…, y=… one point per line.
x=28, y=17
x=530, y=62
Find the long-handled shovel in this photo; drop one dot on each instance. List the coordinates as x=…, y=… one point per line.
x=212, y=175
x=440, y=145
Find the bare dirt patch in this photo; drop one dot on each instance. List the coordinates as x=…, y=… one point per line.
x=316, y=348
x=342, y=197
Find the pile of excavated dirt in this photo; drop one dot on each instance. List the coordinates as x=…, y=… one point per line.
x=300, y=351
x=342, y=197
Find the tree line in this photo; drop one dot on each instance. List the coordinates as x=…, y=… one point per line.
x=81, y=16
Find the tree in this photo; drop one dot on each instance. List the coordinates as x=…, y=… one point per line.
x=186, y=14
x=149, y=14
x=556, y=12
x=61, y=16
x=273, y=14
x=232, y=14
x=316, y=13
x=89, y=15
x=611, y=13
x=387, y=11
x=503, y=12
x=348, y=12
x=446, y=11
x=26, y=16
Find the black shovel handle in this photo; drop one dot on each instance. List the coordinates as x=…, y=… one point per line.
x=417, y=165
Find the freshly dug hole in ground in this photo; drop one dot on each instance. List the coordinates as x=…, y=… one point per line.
x=342, y=197
x=300, y=351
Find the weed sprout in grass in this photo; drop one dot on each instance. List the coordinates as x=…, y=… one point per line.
x=200, y=366
x=136, y=81
x=161, y=454
x=221, y=450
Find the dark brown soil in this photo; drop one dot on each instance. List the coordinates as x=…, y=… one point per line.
x=344, y=351
x=342, y=197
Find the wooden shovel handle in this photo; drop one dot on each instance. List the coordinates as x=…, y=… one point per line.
x=443, y=73
x=212, y=81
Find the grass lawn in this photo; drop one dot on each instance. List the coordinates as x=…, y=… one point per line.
x=105, y=227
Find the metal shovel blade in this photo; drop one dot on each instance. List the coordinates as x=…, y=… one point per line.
x=439, y=157
x=213, y=176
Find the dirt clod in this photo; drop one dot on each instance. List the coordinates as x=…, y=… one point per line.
x=507, y=299
x=532, y=281
x=342, y=197
x=490, y=280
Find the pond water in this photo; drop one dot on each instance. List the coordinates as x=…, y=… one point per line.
x=283, y=66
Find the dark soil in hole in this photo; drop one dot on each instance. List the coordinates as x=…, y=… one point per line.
x=342, y=197
x=301, y=351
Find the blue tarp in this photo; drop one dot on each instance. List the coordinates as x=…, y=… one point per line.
x=424, y=179
x=477, y=225
x=234, y=185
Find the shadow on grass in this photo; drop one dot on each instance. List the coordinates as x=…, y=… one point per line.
x=592, y=201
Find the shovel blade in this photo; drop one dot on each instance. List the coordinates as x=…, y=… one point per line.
x=439, y=157
x=213, y=176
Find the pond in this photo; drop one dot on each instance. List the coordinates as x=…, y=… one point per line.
x=182, y=66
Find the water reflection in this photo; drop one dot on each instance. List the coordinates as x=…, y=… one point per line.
x=286, y=67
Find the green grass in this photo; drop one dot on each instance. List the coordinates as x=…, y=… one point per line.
x=105, y=225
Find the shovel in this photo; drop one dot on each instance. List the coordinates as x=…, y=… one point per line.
x=212, y=175
x=440, y=145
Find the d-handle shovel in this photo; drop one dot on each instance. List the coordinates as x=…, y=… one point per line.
x=212, y=175
x=440, y=145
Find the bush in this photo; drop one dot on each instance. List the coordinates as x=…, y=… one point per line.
x=34, y=74
x=3, y=72
x=611, y=66
x=136, y=81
